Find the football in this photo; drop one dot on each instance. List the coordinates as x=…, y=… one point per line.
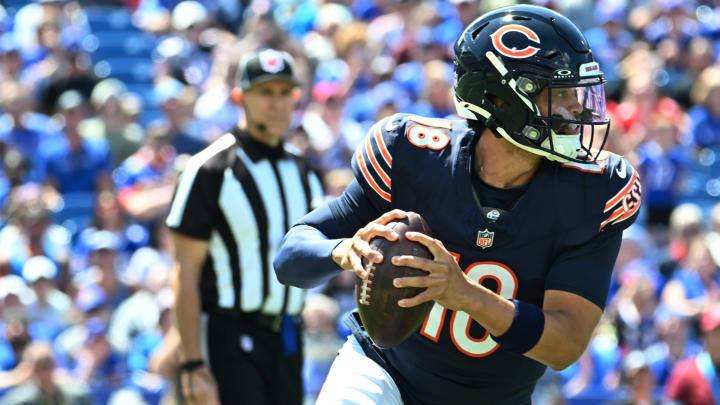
x=387, y=323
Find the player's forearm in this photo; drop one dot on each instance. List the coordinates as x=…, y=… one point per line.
x=187, y=313
x=560, y=344
x=305, y=258
x=489, y=309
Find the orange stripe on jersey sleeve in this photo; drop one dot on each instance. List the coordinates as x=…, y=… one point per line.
x=385, y=178
x=368, y=178
x=611, y=202
x=381, y=145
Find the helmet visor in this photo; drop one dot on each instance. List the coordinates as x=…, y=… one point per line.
x=590, y=95
x=573, y=112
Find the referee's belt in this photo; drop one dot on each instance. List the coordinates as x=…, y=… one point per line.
x=269, y=321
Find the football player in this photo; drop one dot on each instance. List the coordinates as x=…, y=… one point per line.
x=527, y=213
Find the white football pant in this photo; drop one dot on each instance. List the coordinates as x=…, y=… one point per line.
x=354, y=379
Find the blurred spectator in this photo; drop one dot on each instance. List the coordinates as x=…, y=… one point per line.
x=467, y=11
x=177, y=102
x=140, y=313
x=14, y=172
x=332, y=135
x=437, y=101
x=662, y=165
x=321, y=342
x=639, y=380
x=695, y=285
x=609, y=42
x=70, y=71
x=20, y=127
x=97, y=364
x=90, y=303
x=674, y=20
x=75, y=164
x=155, y=341
x=713, y=237
x=190, y=63
x=114, y=122
x=103, y=270
x=675, y=343
x=597, y=370
x=48, y=315
x=11, y=63
x=109, y=215
x=692, y=382
x=44, y=384
x=636, y=305
x=16, y=335
x=706, y=114
x=146, y=180
x=31, y=231
x=686, y=225
x=336, y=181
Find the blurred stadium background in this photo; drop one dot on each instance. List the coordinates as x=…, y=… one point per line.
x=102, y=101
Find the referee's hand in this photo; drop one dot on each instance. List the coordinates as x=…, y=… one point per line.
x=199, y=387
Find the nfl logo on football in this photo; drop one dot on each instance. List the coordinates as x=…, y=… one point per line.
x=485, y=238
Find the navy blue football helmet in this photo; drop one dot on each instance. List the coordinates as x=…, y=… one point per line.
x=507, y=57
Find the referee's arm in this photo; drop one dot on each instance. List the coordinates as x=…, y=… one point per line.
x=198, y=385
x=189, y=256
x=191, y=220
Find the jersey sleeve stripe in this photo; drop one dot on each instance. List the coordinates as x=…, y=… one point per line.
x=613, y=201
x=620, y=215
x=629, y=206
x=371, y=156
x=368, y=178
x=381, y=145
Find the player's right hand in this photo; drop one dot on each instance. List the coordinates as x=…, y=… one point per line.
x=349, y=253
x=199, y=387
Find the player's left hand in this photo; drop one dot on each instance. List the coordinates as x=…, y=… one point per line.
x=446, y=284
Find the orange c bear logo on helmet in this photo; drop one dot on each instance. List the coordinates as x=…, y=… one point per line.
x=528, y=51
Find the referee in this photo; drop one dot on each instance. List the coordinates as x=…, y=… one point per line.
x=235, y=200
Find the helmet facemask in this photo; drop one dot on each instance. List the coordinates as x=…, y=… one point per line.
x=561, y=135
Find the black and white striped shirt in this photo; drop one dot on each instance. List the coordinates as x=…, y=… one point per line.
x=242, y=197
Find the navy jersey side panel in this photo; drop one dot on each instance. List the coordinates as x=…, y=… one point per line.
x=590, y=236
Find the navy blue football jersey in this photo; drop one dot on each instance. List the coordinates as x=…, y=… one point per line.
x=562, y=232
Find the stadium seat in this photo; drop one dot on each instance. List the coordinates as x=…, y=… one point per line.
x=121, y=43
x=76, y=211
x=108, y=18
x=127, y=69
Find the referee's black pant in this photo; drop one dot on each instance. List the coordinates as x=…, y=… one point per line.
x=247, y=356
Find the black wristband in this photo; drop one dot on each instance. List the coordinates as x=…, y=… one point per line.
x=191, y=365
x=526, y=329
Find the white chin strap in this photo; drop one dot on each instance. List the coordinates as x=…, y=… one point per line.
x=567, y=145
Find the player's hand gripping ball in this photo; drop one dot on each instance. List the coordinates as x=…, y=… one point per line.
x=387, y=323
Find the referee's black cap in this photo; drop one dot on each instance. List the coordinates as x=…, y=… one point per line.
x=264, y=65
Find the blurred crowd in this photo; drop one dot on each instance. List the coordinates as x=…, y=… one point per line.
x=101, y=103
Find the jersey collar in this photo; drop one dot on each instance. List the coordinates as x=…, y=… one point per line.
x=255, y=149
x=510, y=221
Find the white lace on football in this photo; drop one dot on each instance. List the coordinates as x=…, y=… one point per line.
x=366, y=286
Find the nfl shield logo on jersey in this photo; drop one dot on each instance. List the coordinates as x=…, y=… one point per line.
x=485, y=238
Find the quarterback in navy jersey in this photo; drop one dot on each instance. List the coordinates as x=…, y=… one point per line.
x=526, y=209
